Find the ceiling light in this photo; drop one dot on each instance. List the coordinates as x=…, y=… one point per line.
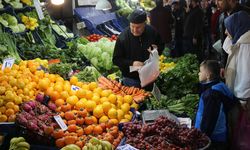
x=57, y=2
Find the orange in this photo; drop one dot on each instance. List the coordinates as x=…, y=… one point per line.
x=119, y=98
x=3, y=118
x=80, y=104
x=54, y=95
x=105, y=93
x=89, y=94
x=2, y=90
x=79, y=84
x=72, y=100
x=125, y=107
x=58, y=87
x=120, y=114
x=112, y=98
x=115, y=121
x=103, y=119
x=59, y=102
x=92, y=85
x=2, y=109
x=112, y=113
x=104, y=99
x=16, y=108
x=73, y=80
x=98, y=111
x=72, y=92
x=85, y=86
x=18, y=100
x=64, y=95
x=9, y=105
x=59, y=79
x=128, y=99
x=81, y=93
x=124, y=120
x=12, y=118
x=49, y=91
x=44, y=84
x=106, y=106
x=98, y=90
x=96, y=98
x=90, y=105
x=9, y=112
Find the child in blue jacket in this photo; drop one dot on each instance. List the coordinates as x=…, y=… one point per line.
x=215, y=101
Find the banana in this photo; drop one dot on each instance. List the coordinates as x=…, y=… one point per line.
x=106, y=145
x=90, y=146
x=71, y=147
x=85, y=148
x=94, y=141
x=17, y=140
x=99, y=147
x=21, y=148
x=23, y=144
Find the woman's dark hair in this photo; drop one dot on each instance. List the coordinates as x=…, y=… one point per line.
x=212, y=66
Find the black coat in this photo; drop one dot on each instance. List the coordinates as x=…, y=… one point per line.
x=194, y=22
x=162, y=19
x=129, y=48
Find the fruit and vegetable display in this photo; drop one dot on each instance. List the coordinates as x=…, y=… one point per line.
x=37, y=117
x=95, y=143
x=8, y=47
x=10, y=21
x=15, y=3
x=164, y=133
x=29, y=22
x=62, y=30
x=19, y=143
x=97, y=37
x=138, y=94
x=165, y=66
x=1, y=4
x=147, y=4
x=88, y=74
x=125, y=10
x=99, y=53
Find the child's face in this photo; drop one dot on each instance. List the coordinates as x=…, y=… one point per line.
x=203, y=74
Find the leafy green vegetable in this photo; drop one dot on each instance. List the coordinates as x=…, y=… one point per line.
x=63, y=69
x=8, y=47
x=88, y=74
x=181, y=80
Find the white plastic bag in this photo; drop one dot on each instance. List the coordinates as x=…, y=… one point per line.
x=150, y=71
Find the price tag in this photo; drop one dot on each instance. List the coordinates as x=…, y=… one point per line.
x=38, y=9
x=8, y=63
x=75, y=88
x=60, y=122
x=185, y=121
x=126, y=147
x=156, y=92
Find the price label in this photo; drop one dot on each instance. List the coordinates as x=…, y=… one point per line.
x=126, y=147
x=87, y=2
x=8, y=63
x=156, y=92
x=60, y=122
x=75, y=88
x=185, y=121
x=39, y=11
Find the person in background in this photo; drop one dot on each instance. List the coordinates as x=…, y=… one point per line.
x=237, y=45
x=161, y=19
x=131, y=48
x=207, y=41
x=193, y=30
x=178, y=14
x=227, y=7
x=215, y=23
x=215, y=101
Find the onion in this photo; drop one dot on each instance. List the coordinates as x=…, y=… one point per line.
x=52, y=106
x=32, y=104
x=26, y=107
x=40, y=97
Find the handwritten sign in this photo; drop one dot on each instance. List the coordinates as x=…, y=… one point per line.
x=8, y=63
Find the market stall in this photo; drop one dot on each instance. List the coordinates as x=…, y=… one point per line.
x=62, y=91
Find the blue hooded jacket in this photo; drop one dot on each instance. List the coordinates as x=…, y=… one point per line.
x=237, y=24
x=211, y=118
